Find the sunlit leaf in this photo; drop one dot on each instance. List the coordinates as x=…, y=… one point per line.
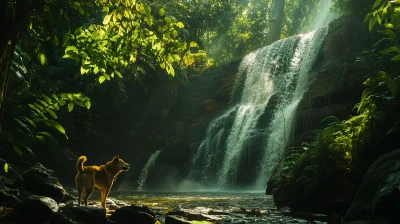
x=52, y=123
x=372, y=23
x=162, y=12
x=88, y=104
x=107, y=19
x=52, y=113
x=376, y=4
x=174, y=33
x=6, y=167
x=102, y=79
x=70, y=106
x=193, y=44
x=42, y=58
x=176, y=57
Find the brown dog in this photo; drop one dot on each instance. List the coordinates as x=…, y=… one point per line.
x=101, y=177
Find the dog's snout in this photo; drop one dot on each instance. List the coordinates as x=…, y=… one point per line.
x=125, y=166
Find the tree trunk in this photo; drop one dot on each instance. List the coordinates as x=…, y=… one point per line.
x=278, y=18
x=6, y=60
x=13, y=19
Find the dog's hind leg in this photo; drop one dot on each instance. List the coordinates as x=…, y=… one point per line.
x=89, y=192
x=80, y=192
x=89, y=189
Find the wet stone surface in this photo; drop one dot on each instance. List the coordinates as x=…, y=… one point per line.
x=216, y=207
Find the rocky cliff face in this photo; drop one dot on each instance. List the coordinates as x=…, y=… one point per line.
x=336, y=81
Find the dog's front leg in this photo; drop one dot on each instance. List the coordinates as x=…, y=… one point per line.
x=104, y=194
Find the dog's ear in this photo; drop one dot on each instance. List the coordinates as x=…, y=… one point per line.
x=116, y=159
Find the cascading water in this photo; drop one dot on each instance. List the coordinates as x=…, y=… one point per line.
x=242, y=146
x=143, y=175
x=283, y=119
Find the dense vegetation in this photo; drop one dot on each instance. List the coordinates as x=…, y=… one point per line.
x=340, y=154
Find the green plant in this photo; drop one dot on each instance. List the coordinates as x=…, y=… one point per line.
x=30, y=128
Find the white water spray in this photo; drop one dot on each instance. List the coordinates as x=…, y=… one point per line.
x=145, y=170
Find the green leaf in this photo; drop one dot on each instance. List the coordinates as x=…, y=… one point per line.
x=43, y=102
x=193, y=44
x=102, y=78
x=48, y=99
x=30, y=121
x=96, y=69
x=107, y=19
x=376, y=4
x=35, y=108
x=42, y=58
x=53, y=124
x=71, y=48
x=55, y=96
x=70, y=106
x=42, y=135
x=390, y=50
x=56, y=41
x=368, y=17
x=392, y=35
x=396, y=58
x=62, y=102
x=389, y=26
x=174, y=33
x=176, y=57
x=162, y=12
x=88, y=104
x=6, y=167
x=118, y=73
x=372, y=23
x=54, y=115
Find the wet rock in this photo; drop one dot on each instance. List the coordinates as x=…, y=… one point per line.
x=87, y=214
x=182, y=216
x=174, y=219
x=7, y=197
x=378, y=197
x=133, y=214
x=42, y=181
x=38, y=209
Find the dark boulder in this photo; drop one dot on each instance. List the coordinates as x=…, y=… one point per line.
x=378, y=197
x=38, y=209
x=42, y=181
x=87, y=214
x=7, y=197
x=133, y=214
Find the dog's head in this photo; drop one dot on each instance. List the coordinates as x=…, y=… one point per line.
x=118, y=164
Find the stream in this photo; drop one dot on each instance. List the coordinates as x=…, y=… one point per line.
x=228, y=207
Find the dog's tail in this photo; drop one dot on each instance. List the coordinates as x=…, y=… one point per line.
x=79, y=164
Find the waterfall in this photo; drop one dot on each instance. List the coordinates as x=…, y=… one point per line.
x=283, y=119
x=145, y=170
x=243, y=145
